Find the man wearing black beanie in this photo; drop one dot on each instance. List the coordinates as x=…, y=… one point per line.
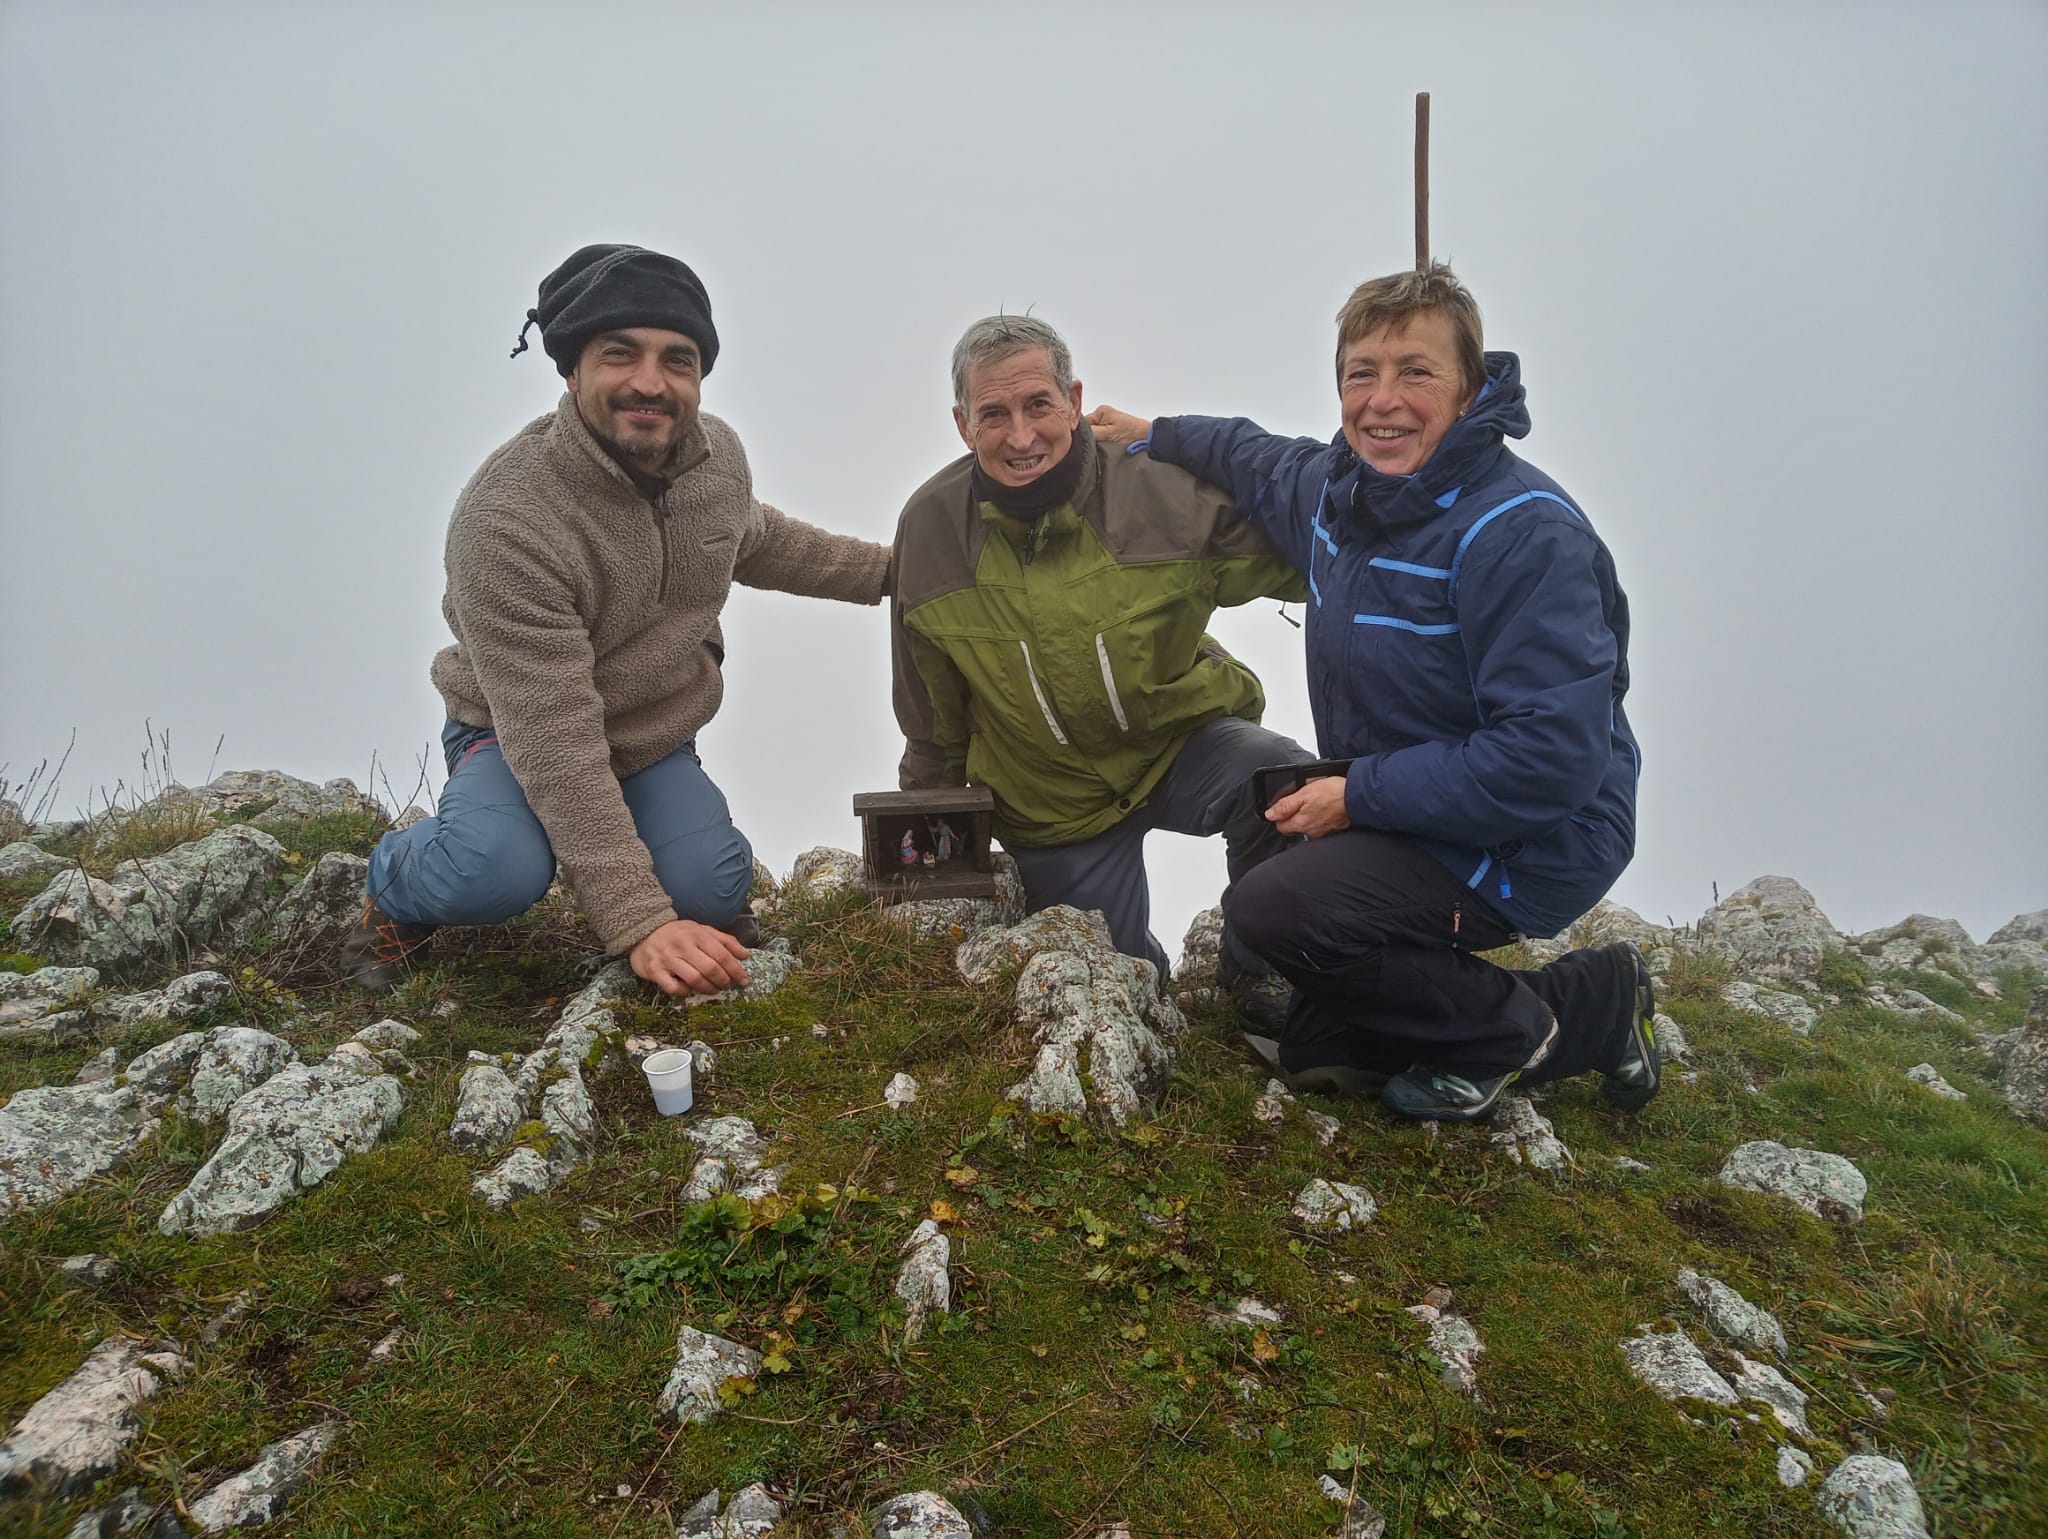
x=588, y=561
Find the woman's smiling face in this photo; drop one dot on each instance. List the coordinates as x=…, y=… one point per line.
x=1401, y=389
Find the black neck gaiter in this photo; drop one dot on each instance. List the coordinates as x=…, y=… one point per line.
x=1036, y=498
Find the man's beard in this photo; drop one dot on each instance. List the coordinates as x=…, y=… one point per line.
x=650, y=444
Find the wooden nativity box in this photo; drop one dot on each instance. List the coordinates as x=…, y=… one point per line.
x=927, y=844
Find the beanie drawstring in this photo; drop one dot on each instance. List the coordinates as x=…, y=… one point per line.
x=532, y=320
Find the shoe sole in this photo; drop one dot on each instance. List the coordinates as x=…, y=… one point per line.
x=1643, y=1035
x=1337, y=1079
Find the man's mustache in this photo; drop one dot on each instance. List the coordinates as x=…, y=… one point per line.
x=642, y=403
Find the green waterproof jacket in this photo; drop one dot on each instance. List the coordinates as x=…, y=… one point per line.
x=1062, y=661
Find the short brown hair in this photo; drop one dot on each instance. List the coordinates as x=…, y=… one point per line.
x=1395, y=300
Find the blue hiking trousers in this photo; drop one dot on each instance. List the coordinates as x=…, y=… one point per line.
x=484, y=857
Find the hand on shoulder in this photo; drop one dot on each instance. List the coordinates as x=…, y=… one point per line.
x=1118, y=427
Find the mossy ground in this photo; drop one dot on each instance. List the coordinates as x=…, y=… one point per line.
x=1079, y=1381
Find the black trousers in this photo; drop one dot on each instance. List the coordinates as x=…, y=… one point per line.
x=1377, y=939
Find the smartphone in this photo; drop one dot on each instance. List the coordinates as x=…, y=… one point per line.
x=1278, y=780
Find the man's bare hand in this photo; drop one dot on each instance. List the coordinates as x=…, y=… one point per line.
x=1118, y=427
x=685, y=957
x=1316, y=809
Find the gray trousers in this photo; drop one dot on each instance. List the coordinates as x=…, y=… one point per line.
x=1207, y=791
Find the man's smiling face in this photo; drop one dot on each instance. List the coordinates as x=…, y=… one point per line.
x=638, y=390
x=1017, y=420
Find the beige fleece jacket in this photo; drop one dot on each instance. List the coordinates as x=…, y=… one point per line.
x=586, y=627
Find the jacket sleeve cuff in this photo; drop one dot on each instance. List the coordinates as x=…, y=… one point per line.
x=1165, y=440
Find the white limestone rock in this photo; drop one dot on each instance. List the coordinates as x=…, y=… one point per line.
x=21, y=859
x=317, y=914
x=258, y=1494
x=47, y=1005
x=233, y=1061
x=1323, y=1125
x=925, y=918
x=769, y=967
x=55, y=1138
x=1676, y=1369
x=1795, y=1466
x=148, y=912
x=1456, y=1345
x=703, y=1363
x=1770, y=929
x=730, y=1159
x=824, y=872
x=76, y=1432
x=900, y=1092
x=1825, y=1185
x=1926, y=1074
x=488, y=1105
x=521, y=1173
x=1334, y=1205
x=1869, y=1496
x=750, y=1514
x=1731, y=1315
x=1775, y=1004
x=178, y=1000
x=91, y=1270
x=2025, y=1080
x=103, y=1065
x=1526, y=1135
x=287, y=1136
x=1672, y=1046
x=1102, y=1028
x=1246, y=1311
x=1766, y=1385
x=1361, y=1519
x=387, y=1036
x=920, y=1515
x=924, y=1283
x=267, y=794
x=1194, y=974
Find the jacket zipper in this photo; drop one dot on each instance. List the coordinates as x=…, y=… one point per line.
x=1043, y=704
x=661, y=527
x=1109, y=683
x=1030, y=544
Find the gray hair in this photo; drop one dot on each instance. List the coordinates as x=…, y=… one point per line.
x=996, y=337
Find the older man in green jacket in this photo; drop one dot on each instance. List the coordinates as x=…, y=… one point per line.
x=1049, y=603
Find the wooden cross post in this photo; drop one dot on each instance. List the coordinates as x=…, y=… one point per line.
x=1422, y=181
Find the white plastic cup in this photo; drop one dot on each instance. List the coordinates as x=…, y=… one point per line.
x=668, y=1076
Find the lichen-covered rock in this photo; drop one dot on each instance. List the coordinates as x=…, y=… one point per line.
x=1731, y=1315
x=47, y=1005
x=1606, y=923
x=1868, y=1496
x=232, y=1061
x=1764, y=1384
x=1101, y=1025
x=1770, y=929
x=2025, y=1081
x=1456, y=1345
x=284, y=1137
x=160, y=1070
x=750, y=1514
x=1786, y=1009
x=1194, y=974
x=103, y=1065
x=824, y=871
x=521, y=1173
x=769, y=967
x=178, y=1000
x=900, y=1092
x=1826, y=1185
x=704, y=1363
x=258, y=1494
x=1527, y=1135
x=1334, y=1205
x=266, y=794
x=488, y=1105
x=1676, y=1369
x=1926, y=1074
x=1672, y=1045
x=924, y=1283
x=730, y=1154
x=22, y=859
x=149, y=912
x=317, y=915
x=982, y=958
x=1271, y=1106
x=91, y=1270
x=960, y=917
x=1361, y=1519
x=56, y=1138
x=920, y=1515
x=129, y=1515
x=76, y=1432
x=1795, y=1465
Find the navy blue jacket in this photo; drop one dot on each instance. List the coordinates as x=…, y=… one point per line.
x=1467, y=646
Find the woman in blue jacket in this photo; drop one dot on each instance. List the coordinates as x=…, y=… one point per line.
x=1468, y=654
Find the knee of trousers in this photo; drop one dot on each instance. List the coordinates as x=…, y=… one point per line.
x=471, y=872
x=1262, y=911
x=707, y=878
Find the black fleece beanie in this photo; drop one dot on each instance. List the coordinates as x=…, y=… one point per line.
x=607, y=288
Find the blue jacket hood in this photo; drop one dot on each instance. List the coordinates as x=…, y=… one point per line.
x=1468, y=454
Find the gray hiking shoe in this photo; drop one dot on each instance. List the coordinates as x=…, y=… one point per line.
x=1636, y=1076
x=1447, y=1095
x=378, y=952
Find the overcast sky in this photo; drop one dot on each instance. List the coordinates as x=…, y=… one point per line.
x=1775, y=273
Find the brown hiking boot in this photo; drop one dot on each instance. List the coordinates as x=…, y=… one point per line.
x=375, y=954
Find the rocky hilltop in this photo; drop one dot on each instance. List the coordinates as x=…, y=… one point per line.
x=976, y=1227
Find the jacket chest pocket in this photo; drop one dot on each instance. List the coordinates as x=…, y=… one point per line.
x=1406, y=651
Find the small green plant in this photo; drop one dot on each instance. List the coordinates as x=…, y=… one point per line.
x=1843, y=973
